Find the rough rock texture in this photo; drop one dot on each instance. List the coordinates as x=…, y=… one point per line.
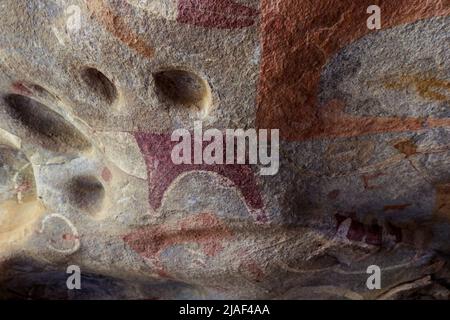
x=86, y=177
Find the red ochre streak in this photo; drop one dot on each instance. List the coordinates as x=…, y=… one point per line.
x=371, y=234
x=115, y=24
x=204, y=229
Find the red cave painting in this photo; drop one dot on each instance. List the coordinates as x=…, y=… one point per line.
x=203, y=229
x=118, y=27
x=161, y=172
x=221, y=14
x=106, y=174
x=298, y=38
x=370, y=234
x=249, y=267
x=21, y=88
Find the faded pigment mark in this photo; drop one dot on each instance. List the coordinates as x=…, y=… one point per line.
x=371, y=234
x=426, y=87
x=161, y=171
x=442, y=206
x=204, y=230
x=299, y=37
x=117, y=26
x=221, y=14
x=21, y=88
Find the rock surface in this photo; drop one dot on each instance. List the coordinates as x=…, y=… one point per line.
x=91, y=91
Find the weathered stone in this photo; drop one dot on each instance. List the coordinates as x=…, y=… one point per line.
x=86, y=115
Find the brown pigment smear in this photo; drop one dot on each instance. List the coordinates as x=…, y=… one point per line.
x=204, y=229
x=298, y=38
x=118, y=27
